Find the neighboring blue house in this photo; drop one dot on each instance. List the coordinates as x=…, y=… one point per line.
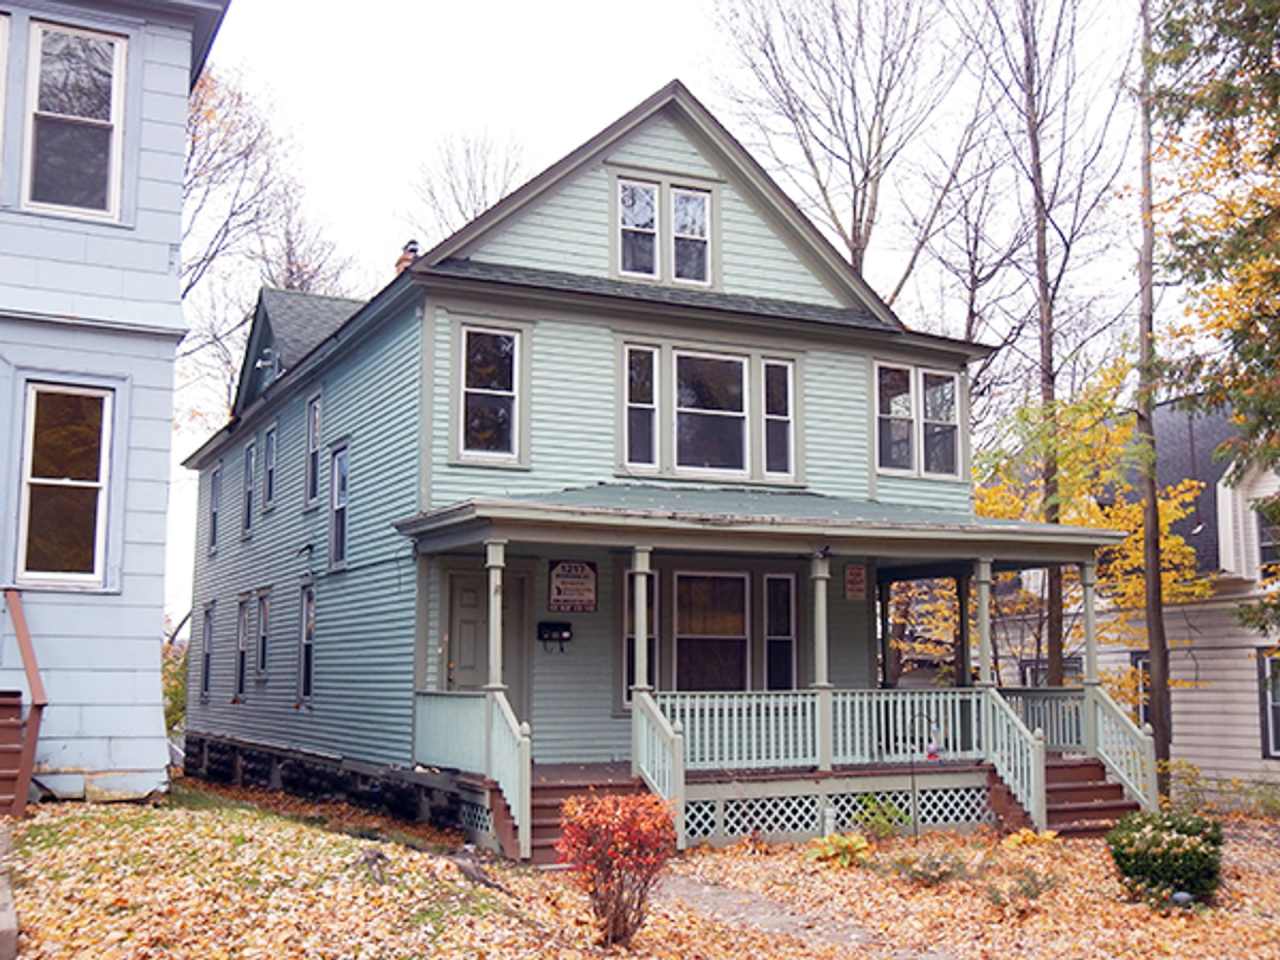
x=93, y=101
x=641, y=397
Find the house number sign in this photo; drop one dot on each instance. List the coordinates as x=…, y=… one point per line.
x=572, y=587
x=855, y=581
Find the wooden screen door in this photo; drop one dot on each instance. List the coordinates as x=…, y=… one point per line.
x=469, y=635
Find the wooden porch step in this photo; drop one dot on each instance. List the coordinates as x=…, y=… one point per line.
x=1091, y=812
x=1087, y=770
x=1083, y=791
x=10, y=705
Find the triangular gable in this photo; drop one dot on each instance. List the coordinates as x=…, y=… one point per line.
x=248, y=385
x=714, y=145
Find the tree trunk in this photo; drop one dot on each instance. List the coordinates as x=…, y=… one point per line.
x=1158, y=644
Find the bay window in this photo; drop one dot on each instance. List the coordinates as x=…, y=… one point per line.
x=778, y=431
x=490, y=393
x=941, y=423
x=691, y=235
x=917, y=421
x=711, y=412
x=711, y=631
x=74, y=119
x=638, y=228
x=65, y=473
x=642, y=406
x=895, y=418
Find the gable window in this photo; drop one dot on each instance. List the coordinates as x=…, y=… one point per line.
x=215, y=505
x=250, y=455
x=269, y=468
x=242, y=645
x=75, y=108
x=264, y=630
x=642, y=406
x=638, y=228
x=206, y=650
x=306, y=653
x=780, y=631
x=490, y=393
x=691, y=235
x=629, y=634
x=338, y=483
x=778, y=431
x=711, y=412
x=711, y=631
x=66, y=460
x=941, y=423
x=895, y=418
x=312, y=488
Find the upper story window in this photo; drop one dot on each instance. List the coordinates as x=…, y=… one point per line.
x=268, y=468
x=65, y=473
x=250, y=456
x=215, y=504
x=917, y=421
x=338, y=484
x=779, y=432
x=711, y=412
x=1268, y=542
x=691, y=235
x=311, y=490
x=74, y=115
x=638, y=228
x=490, y=393
x=642, y=406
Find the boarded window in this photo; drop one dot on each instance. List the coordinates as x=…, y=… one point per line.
x=711, y=631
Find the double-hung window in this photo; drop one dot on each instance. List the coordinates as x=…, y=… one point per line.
x=1269, y=701
x=242, y=646
x=642, y=407
x=637, y=228
x=940, y=419
x=712, y=631
x=490, y=393
x=312, y=487
x=66, y=461
x=215, y=504
x=629, y=633
x=895, y=418
x=711, y=412
x=74, y=114
x=307, y=636
x=779, y=432
x=206, y=651
x=917, y=421
x=264, y=630
x=691, y=235
x=268, y=468
x=250, y=456
x=780, y=631
x=1268, y=544
x=338, y=486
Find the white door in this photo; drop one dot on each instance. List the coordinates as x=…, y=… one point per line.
x=469, y=635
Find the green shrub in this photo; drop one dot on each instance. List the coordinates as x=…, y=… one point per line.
x=1159, y=854
x=842, y=849
x=931, y=869
x=173, y=679
x=880, y=818
x=1023, y=889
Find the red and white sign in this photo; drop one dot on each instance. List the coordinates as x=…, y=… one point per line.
x=572, y=587
x=855, y=581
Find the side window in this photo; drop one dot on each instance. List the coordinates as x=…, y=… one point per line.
x=215, y=504
x=691, y=235
x=74, y=114
x=264, y=630
x=250, y=456
x=242, y=645
x=338, y=486
x=65, y=483
x=642, y=407
x=637, y=228
x=779, y=430
x=895, y=418
x=306, y=641
x=490, y=393
x=940, y=417
x=269, y=468
x=311, y=489
x=1268, y=544
x=206, y=650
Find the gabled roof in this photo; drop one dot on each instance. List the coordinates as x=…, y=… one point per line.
x=1186, y=442
x=675, y=96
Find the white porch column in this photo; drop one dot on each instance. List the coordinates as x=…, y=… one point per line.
x=640, y=567
x=982, y=579
x=495, y=561
x=1089, y=584
x=819, y=575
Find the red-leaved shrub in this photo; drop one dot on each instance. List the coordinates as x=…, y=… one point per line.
x=616, y=847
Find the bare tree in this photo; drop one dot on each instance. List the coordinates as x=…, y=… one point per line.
x=839, y=91
x=294, y=254
x=469, y=173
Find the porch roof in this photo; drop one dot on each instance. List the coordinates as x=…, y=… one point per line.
x=749, y=520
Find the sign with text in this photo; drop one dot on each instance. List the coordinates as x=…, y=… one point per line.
x=855, y=581
x=572, y=586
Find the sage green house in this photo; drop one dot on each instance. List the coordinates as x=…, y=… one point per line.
x=641, y=397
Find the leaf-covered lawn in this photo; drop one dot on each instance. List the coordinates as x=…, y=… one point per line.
x=220, y=872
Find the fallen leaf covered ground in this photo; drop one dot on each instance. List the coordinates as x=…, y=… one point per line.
x=220, y=873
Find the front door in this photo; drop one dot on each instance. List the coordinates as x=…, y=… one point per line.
x=469, y=635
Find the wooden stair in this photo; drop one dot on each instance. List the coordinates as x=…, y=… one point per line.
x=550, y=792
x=12, y=734
x=1080, y=801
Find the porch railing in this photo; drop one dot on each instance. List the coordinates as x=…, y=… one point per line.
x=745, y=731
x=510, y=764
x=658, y=753
x=1017, y=754
x=895, y=726
x=449, y=729
x=1128, y=752
x=1058, y=711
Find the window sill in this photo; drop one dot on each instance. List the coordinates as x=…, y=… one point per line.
x=114, y=222
x=918, y=475
x=338, y=567
x=47, y=586
x=490, y=464
x=311, y=507
x=728, y=480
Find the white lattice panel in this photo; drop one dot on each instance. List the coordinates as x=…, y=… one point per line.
x=769, y=815
x=946, y=805
x=699, y=819
x=475, y=818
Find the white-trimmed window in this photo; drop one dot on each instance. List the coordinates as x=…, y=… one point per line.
x=642, y=407
x=691, y=235
x=490, y=393
x=712, y=630
x=242, y=645
x=250, y=471
x=75, y=110
x=339, y=477
x=264, y=631
x=65, y=473
x=1269, y=680
x=895, y=418
x=711, y=413
x=206, y=650
x=637, y=228
x=780, y=631
x=215, y=504
x=779, y=416
x=940, y=423
x=306, y=643
x=1268, y=543
x=311, y=490
x=268, y=467
x=629, y=634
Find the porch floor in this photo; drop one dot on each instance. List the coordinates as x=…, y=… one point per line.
x=618, y=772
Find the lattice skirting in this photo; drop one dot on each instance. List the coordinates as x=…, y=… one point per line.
x=475, y=817
x=794, y=816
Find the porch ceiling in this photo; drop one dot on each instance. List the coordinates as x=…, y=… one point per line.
x=747, y=520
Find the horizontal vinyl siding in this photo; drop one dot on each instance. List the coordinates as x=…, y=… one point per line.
x=362, y=703
x=836, y=423
x=920, y=492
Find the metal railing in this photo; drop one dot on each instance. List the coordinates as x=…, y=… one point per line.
x=1058, y=711
x=658, y=751
x=1128, y=752
x=896, y=726
x=745, y=731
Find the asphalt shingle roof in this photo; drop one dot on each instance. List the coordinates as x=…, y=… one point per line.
x=576, y=283
x=299, y=321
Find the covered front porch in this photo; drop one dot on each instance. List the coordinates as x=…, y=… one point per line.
x=757, y=702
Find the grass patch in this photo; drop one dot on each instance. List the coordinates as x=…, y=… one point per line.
x=437, y=913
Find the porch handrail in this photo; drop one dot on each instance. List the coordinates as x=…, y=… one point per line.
x=896, y=726
x=748, y=730
x=1058, y=711
x=449, y=729
x=39, y=700
x=510, y=765
x=658, y=749
x=1128, y=752
x=1017, y=754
